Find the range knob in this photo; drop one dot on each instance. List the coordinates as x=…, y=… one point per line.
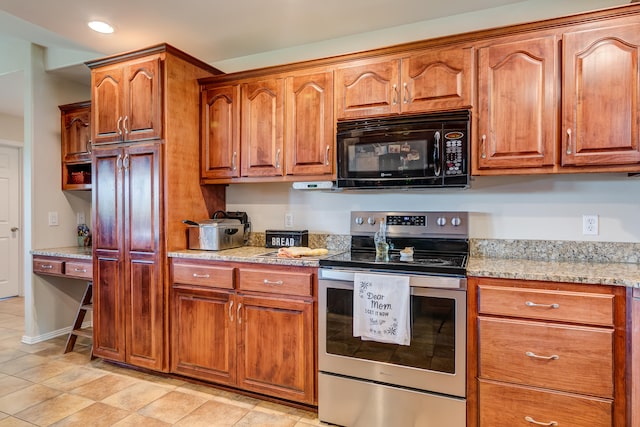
x=371, y=220
x=359, y=220
x=455, y=221
x=441, y=221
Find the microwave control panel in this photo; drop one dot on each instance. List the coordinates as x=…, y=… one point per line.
x=454, y=163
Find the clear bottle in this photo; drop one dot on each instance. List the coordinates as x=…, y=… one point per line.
x=380, y=240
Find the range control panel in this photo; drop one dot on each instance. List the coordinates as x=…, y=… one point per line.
x=411, y=224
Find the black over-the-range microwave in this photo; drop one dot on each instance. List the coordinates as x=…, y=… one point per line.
x=420, y=151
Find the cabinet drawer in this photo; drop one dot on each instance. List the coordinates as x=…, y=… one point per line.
x=79, y=269
x=568, y=358
x=578, y=307
x=277, y=282
x=527, y=406
x=203, y=275
x=47, y=266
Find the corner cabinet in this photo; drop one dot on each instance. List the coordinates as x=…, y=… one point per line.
x=274, y=128
x=422, y=81
x=545, y=353
x=247, y=326
x=145, y=184
x=75, y=132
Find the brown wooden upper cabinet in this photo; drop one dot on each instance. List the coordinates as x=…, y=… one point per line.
x=517, y=103
x=75, y=136
x=520, y=80
x=127, y=101
x=262, y=124
x=428, y=80
x=220, y=132
x=278, y=126
x=601, y=85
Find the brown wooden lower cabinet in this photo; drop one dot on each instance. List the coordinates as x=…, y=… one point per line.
x=258, y=339
x=547, y=353
x=508, y=405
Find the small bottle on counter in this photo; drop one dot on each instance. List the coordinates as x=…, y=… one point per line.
x=380, y=239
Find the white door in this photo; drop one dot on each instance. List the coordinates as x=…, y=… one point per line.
x=10, y=232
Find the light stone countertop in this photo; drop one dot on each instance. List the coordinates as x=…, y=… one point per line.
x=599, y=273
x=572, y=262
x=79, y=252
x=250, y=254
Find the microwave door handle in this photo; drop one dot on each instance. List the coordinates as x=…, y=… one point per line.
x=436, y=155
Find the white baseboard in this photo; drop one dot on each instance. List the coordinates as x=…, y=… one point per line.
x=49, y=335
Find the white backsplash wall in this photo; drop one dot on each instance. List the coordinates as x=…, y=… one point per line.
x=545, y=207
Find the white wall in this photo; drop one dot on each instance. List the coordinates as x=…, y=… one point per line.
x=512, y=207
x=517, y=12
x=11, y=128
x=50, y=303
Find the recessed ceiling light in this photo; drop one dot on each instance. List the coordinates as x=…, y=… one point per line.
x=101, y=27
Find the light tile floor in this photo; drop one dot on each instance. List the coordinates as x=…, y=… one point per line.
x=39, y=385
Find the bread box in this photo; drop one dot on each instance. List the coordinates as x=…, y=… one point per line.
x=215, y=234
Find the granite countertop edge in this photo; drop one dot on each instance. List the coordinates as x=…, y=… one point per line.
x=596, y=273
x=569, y=271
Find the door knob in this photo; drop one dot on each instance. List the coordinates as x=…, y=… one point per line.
x=14, y=229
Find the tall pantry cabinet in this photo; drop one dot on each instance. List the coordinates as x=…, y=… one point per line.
x=145, y=107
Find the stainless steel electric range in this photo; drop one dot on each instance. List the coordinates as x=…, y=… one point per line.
x=371, y=383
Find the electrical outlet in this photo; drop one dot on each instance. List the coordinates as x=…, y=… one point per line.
x=288, y=220
x=53, y=219
x=590, y=224
x=80, y=219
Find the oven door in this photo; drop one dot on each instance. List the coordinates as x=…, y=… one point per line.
x=435, y=361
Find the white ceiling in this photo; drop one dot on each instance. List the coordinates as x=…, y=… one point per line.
x=211, y=30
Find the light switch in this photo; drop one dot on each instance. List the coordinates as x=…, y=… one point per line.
x=53, y=219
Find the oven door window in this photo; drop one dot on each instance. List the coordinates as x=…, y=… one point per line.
x=432, y=334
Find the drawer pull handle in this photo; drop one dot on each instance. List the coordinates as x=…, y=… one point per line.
x=276, y=283
x=201, y=276
x=46, y=266
x=538, y=423
x=231, y=311
x=80, y=270
x=533, y=304
x=535, y=356
x=238, y=313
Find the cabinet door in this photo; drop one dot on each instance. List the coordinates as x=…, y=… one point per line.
x=368, y=89
x=107, y=104
x=108, y=255
x=76, y=135
x=508, y=405
x=143, y=102
x=601, y=88
x=436, y=79
x=262, y=128
x=518, y=104
x=203, y=334
x=275, y=347
x=220, y=133
x=142, y=200
x=310, y=132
